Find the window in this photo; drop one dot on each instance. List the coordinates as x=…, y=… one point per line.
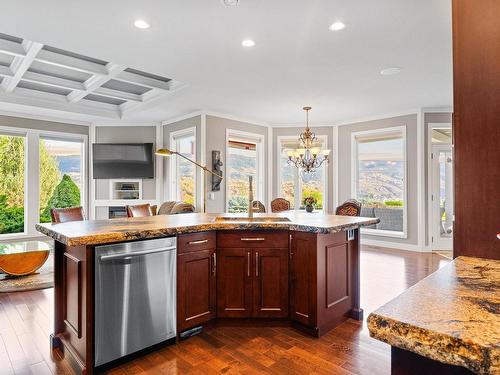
x=243, y=159
x=379, y=175
x=12, y=181
x=61, y=174
x=182, y=172
x=53, y=162
x=294, y=185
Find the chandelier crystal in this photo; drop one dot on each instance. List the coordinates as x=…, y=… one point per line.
x=309, y=157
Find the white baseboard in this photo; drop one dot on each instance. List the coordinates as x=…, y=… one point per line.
x=394, y=245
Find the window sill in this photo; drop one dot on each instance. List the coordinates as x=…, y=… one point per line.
x=384, y=233
x=14, y=236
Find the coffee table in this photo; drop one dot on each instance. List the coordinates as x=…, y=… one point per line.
x=23, y=257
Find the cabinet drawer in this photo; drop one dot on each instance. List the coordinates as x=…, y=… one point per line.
x=195, y=241
x=252, y=239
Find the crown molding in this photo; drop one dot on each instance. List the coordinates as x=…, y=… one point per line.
x=413, y=111
x=41, y=117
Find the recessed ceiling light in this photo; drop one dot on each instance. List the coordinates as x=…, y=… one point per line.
x=390, y=71
x=230, y=3
x=248, y=43
x=336, y=26
x=141, y=24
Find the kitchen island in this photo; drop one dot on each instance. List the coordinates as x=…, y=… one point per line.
x=287, y=268
x=448, y=323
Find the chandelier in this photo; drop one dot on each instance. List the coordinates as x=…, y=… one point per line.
x=309, y=157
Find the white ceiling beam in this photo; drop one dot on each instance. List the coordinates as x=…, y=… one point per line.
x=96, y=81
x=5, y=71
x=11, y=48
x=20, y=65
x=116, y=94
x=69, y=62
x=33, y=98
x=143, y=81
x=52, y=81
x=150, y=97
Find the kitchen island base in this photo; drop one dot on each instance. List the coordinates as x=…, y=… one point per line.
x=232, y=273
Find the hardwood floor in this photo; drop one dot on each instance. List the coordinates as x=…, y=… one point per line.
x=26, y=322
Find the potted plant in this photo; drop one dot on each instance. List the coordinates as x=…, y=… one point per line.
x=309, y=203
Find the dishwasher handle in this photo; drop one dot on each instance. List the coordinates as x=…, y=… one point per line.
x=104, y=258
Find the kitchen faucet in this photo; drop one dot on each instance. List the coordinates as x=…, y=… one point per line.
x=251, y=209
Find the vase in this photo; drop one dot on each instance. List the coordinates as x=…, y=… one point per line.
x=309, y=208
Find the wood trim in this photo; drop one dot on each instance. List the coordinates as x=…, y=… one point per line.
x=77, y=329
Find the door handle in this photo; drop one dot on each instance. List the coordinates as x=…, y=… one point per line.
x=134, y=254
x=198, y=242
x=214, y=264
x=253, y=239
x=248, y=263
x=257, y=264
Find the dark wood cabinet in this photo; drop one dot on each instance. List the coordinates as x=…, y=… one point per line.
x=476, y=131
x=302, y=278
x=270, y=283
x=324, y=280
x=196, y=280
x=253, y=280
x=234, y=283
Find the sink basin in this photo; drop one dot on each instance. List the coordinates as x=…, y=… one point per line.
x=258, y=219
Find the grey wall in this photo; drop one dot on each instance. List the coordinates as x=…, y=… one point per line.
x=216, y=140
x=169, y=129
x=344, y=168
x=295, y=132
x=430, y=118
x=25, y=123
x=125, y=134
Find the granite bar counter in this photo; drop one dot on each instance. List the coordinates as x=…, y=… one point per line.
x=450, y=321
x=98, y=232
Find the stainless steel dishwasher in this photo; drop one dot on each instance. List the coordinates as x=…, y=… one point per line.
x=135, y=297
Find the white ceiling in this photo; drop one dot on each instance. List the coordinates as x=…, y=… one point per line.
x=297, y=60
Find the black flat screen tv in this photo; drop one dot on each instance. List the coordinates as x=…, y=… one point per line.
x=122, y=160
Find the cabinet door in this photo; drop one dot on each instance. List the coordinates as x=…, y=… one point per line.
x=303, y=276
x=234, y=283
x=196, y=286
x=270, y=286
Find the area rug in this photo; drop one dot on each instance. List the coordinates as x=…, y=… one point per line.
x=42, y=279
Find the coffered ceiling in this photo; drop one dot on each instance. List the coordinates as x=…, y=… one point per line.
x=297, y=60
x=47, y=77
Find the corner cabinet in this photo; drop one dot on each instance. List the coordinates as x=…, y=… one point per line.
x=324, y=280
x=252, y=281
x=196, y=279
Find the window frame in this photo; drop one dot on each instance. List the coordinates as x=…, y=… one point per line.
x=355, y=177
x=32, y=175
x=173, y=167
x=297, y=180
x=19, y=132
x=259, y=140
x=69, y=137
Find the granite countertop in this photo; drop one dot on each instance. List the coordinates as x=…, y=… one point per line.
x=96, y=232
x=452, y=316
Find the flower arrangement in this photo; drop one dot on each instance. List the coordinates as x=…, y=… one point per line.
x=309, y=203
